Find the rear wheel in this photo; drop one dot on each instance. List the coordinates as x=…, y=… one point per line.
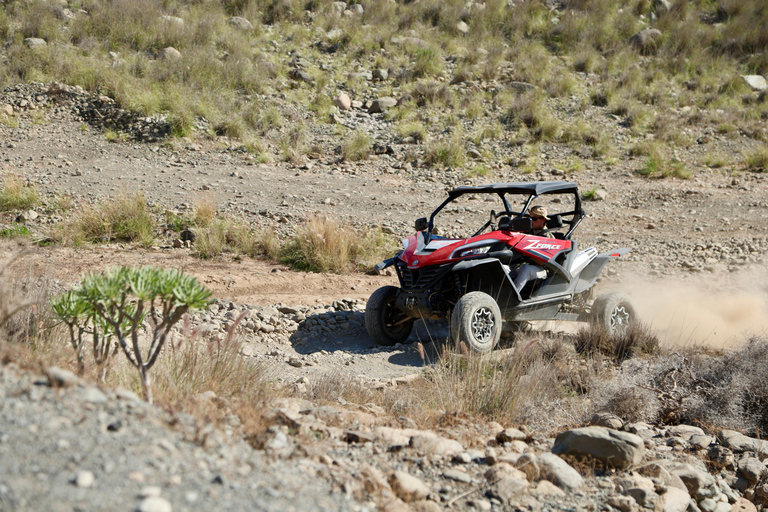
x=386, y=324
x=614, y=312
x=476, y=319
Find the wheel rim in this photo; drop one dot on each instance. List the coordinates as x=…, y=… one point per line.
x=482, y=325
x=393, y=319
x=620, y=318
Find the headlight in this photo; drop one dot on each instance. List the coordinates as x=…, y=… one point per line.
x=472, y=251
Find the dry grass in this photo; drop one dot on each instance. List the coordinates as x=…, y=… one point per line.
x=322, y=244
x=204, y=208
x=126, y=218
x=639, y=339
x=15, y=195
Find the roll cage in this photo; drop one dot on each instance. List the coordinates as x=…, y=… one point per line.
x=531, y=189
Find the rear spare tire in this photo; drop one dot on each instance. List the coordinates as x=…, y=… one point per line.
x=614, y=312
x=476, y=319
x=386, y=324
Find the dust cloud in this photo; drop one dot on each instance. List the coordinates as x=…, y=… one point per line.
x=719, y=312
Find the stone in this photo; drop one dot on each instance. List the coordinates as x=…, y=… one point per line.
x=172, y=19
x=462, y=27
x=646, y=41
x=380, y=74
x=169, y=53
x=84, y=479
x=407, y=487
x=674, y=500
x=694, y=479
x=435, y=445
x=700, y=441
x=382, y=104
x=606, y=419
x=656, y=470
x=425, y=506
x=557, y=471
x=508, y=488
x=751, y=468
x=342, y=101
x=339, y=7
x=756, y=82
x=8, y=110
x=612, y=447
x=240, y=23
x=35, y=42
x=94, y=395
x=743, y=505
x=357, y=9
x=154, y=504
x=459, y=476
x=528, y=465
x=503, y=470
x=684, y=431
x=58, y=377
x=547, y=488
x=623, y=503
x=510, y=434
x=738, y=442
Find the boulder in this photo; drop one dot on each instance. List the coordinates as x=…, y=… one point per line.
x=506, y=489
x=342, y=101
x=557, y=471
x=510, y=434
x=756, y=82
x=646, y=41
x=751, y=468
x=606, y=419
x=34, y=42
x=435, y=445
x=738, y=442
x=695, y=480
x=382, y=104
x=169, y=53
x=240, y=23
x=407, y=487
x=612, y=447
x=674, y=500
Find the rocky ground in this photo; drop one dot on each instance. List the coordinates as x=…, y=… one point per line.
x=697, y=270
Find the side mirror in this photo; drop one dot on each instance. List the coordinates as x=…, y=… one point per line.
x=421, y=224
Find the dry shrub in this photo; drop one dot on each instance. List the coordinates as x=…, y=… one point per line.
x=204, y=209
x=323, y=244
x=14, y=195
x=729, y=390
x=532, y=385
x=336, y=388
x=126, y=218
x=639, y=339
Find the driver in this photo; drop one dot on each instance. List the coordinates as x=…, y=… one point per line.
x=539, y=220
x=527, y=271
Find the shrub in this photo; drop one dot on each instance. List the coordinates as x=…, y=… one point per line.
x=119, y=303
x=125, y=218
x=448, y=153
x=757, y=160
x=16, y=196
x=323, y=245
x=357, y=147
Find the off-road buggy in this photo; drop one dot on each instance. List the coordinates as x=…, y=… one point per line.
x=469, y=281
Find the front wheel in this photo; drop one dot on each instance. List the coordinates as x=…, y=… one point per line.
x=614, y=312
x=476, y=319
x=386, y=324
